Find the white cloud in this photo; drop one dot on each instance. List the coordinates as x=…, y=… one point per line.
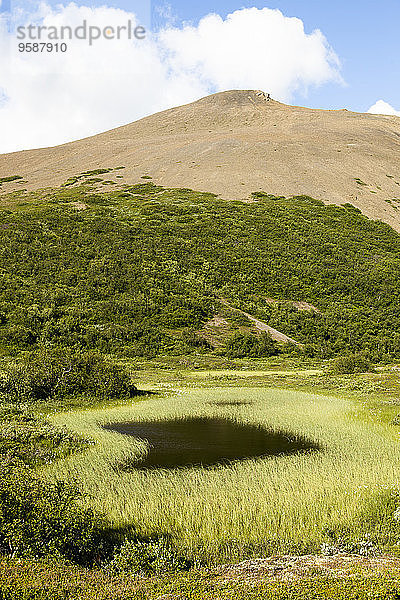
x=252, y=48
x=383, y=108
x=47, y=99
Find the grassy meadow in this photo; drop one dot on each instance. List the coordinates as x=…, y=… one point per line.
x=273, y=504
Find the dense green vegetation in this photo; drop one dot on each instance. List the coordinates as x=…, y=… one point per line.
x=141, y=270
x=242, y=344
x=60, y=373
x=351, y=363
x=40, y=519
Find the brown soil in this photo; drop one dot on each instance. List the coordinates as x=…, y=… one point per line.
x=215, y=331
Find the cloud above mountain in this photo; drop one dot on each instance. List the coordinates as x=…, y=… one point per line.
x=47, y=98
x=383, y=108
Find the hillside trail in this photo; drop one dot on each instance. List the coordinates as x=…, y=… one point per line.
x=276, y=335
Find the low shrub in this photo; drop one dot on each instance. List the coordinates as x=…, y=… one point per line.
x=352, y=363
x=147, y=557
x=35, y=441
x=39, y=519
x=374, y=587
x=45, y=374
x=243, y=345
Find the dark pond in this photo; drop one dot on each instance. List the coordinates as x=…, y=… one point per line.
x=205, y=442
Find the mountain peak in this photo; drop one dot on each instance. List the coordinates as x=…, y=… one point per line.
x=237, y=98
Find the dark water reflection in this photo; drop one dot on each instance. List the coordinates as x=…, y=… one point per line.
x=204, y=441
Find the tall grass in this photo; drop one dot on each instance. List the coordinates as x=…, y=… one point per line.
x=275, y=504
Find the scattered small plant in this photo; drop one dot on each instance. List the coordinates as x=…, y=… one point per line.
x=147, y=557
x=10, y=178
x=364, y=546
x=265, y=196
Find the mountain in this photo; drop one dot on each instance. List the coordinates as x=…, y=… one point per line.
x=233, y=144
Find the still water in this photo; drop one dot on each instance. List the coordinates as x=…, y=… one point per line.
x=205, y=442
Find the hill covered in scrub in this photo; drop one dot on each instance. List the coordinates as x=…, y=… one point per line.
x=232, y=144
x=142, y=270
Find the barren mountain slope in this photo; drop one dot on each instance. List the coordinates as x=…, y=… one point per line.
x=234, y=143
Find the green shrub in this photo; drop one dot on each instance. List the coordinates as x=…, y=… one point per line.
x=192, y=340
x=45, y=374
x=39, y=519
x=35, y=441
x=147, y=557
x=9, y=178
x=352, y=363
x=243, y=345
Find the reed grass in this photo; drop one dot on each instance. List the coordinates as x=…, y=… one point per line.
x=274, y=504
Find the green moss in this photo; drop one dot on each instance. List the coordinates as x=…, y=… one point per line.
x=10, y=178
x=85, y=174
x=96, y=172
x=264, y=196
x=71, y=181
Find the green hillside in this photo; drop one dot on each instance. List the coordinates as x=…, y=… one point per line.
x=139, y=271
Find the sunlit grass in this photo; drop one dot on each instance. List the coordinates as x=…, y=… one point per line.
x=275, y=504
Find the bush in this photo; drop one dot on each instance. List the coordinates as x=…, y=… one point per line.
x=247, y=345
x=353, y=363
x=39, y=519
x=45, y=374
x=147, y=557
x=33, y=440
x=191, y=339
